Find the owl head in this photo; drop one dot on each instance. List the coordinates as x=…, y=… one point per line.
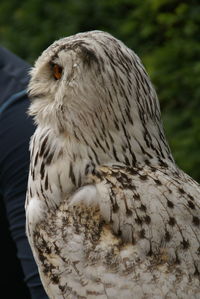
x=88, y=75
x=91, y=86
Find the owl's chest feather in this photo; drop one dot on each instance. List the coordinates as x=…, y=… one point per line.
x=56, y=171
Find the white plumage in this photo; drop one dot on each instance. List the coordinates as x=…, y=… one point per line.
x=109, y=214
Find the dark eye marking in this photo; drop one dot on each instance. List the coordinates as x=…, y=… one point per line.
x=89, y=55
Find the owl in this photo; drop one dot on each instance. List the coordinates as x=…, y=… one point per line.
x=108, y=212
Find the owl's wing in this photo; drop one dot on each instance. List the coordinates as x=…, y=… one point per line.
x=156, y=210
x=129, y=233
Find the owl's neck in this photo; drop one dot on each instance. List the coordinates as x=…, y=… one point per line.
x=60, y=163
x=131, y=145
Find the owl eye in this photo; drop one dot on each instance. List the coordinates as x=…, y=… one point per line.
x=57, y=71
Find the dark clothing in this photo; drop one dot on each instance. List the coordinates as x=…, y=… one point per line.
x=16, y=129
x=14, y=75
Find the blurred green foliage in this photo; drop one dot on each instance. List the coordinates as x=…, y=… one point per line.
x=164, y=33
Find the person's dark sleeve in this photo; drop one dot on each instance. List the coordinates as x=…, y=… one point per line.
x=16, y=129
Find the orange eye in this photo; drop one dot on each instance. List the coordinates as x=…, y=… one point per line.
x=57, y=71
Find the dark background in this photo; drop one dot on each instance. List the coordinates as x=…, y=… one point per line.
x=165, y=35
